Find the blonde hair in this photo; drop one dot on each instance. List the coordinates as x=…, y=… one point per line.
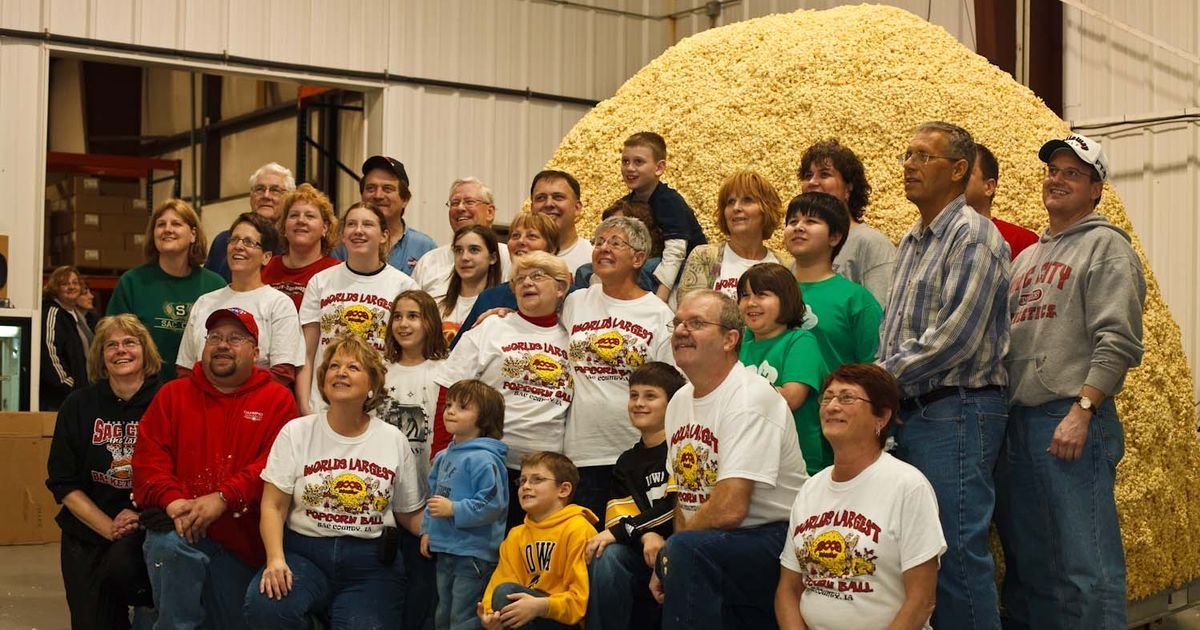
x=130, y=325
x=550, y=264
x=358, y=349
x=61, y=275
x=199, y=249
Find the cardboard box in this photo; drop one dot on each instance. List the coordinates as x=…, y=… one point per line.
x=29, y=507
x=101, y=205
x=101, y=257
x=112, y=224
x=130, y=189
x=135, y=241
x=74, y=185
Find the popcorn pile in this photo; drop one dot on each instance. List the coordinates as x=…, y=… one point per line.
x=755, y=94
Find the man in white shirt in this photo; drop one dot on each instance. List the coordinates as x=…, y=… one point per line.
x=734, y=457
x=470, y=203
x=556, y=195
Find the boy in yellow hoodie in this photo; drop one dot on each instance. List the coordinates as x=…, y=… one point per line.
x=541, y=581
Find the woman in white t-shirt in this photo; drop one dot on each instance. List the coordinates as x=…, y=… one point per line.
x=523, y=355
x=476, y=252
x=748, y=213
x=337, y=483
x=864, y=538
x=353, y=296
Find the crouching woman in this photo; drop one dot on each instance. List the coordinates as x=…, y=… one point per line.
x=337, y=484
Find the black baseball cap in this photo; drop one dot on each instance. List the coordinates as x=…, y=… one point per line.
x=388, y=164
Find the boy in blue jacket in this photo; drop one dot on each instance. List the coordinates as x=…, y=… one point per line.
x=466, y=513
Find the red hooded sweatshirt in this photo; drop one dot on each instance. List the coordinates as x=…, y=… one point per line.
x=195, y=440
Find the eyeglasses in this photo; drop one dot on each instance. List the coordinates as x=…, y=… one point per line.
x=1072, y=174
x=613, y=242
x=124, y=344
x=533, y=480
x=537, y=275
x=694, y=324
x=843, y=399
x=234, y=340
x=469, y=204
x=274, y=190
x=922, y=158
x=244, y=241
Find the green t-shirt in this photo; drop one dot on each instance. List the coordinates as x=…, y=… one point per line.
x=162, y=303
x=794, y=357
x=845, y=318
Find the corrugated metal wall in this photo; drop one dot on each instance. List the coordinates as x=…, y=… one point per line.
x=1112, y=75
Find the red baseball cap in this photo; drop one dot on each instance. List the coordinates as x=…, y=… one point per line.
x=233, y=312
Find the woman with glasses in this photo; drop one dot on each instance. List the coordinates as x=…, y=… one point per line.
x=616, y=326
x=91, y=475
x=640, y=210
x=865, y=527
x=308, y=231
x=161, y=292
x=65, y=338
x=354, y=296
x=523, y=356
x=252, y=238
x=748, y=212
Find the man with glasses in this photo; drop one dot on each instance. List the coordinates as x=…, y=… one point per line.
x=384, y=184
x=268, y=186
x=281, y=347
x=1076, y=313
x=201, y=447
x=944, y=337
x=470, y=203
x=733, y=455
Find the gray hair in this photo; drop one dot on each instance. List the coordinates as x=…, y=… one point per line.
x=635, y=232
x=483, y=190
x=289, y=181
x=730, y=317
x=959, y=143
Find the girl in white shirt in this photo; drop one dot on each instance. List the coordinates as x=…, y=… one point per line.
x=476, y=252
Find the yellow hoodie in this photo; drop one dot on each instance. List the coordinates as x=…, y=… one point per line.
x=548, y=556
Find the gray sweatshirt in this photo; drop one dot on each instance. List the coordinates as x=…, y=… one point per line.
x=1076, y=311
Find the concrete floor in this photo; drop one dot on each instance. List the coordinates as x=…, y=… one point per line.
x=31, y=593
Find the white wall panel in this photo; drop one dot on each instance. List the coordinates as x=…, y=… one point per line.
x=1110, y=75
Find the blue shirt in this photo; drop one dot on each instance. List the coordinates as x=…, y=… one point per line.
x=674, y=216
x=946, y=322
x=405, y=252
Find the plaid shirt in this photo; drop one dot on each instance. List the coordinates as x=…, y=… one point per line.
x=946, y=322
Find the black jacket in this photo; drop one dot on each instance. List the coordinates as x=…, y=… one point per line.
x=92, y=450
x=64, y=359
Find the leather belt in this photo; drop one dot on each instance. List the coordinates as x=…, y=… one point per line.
x=932, y=396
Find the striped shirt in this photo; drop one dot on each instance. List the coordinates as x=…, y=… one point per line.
x=946, y=322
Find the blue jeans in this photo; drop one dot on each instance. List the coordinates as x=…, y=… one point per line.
x=955, y=443
x=461, y=581
x=619, y=597
x=595, y=483
x=421, y=592
x=715, y=578
x=500, y=600
x=195, y=586
x=339, y=579
x=1062, y=530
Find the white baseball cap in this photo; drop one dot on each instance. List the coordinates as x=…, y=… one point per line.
x=1084, y=147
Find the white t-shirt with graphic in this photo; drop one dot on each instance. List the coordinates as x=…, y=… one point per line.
x=577, y=255
x=742, y=429
x=452, y=321
x=410, y=404
x=527, y=364
x=732, y=268
x=344, y=486
x=433, y=270
x=279, y=339
x=610, y=338
x=342, y=300
x=852, y=541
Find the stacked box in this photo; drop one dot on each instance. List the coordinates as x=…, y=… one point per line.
x=95, y=223
x=29, y=506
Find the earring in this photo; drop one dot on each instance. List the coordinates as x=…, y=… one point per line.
x=878, y=430
x=370, y=394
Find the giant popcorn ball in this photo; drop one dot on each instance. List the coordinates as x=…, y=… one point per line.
x=755, y=94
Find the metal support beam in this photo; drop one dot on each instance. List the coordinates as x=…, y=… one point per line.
x=210, y=172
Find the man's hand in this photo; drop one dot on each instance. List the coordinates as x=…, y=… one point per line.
x=1071, y=434
x=125, y=523
x=489, y=620
x=595, y=546
x=656, y=588
x=205, y=510
x=651, y=544
x=180, y=511
x=440, y=507
x=523, y=609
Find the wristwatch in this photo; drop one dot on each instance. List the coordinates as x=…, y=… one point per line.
x=1085, y=404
